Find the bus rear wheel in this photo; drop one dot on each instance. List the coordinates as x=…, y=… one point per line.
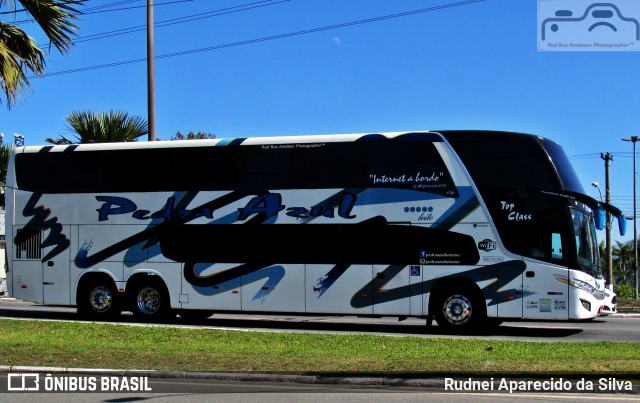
x=459, y=309
x=99, y=300
x=149, y=301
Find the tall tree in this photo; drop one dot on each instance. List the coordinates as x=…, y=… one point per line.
x=106, y=127
x=622, y=261
x=19, y=54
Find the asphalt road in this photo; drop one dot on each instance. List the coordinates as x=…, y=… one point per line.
x=171, y=390
x=266, y=388
x=620, y=328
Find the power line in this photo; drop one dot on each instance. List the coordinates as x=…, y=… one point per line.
x=180, y=20
x=113, y=4
x=130, y=8
x=622, y=154
x=96, y=9
x=270, y=38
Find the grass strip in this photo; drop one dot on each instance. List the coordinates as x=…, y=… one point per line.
x=101, y=345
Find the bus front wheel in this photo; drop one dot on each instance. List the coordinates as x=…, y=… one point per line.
x=459, y=309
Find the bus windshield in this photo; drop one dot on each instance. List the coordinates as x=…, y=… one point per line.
x=586, y=245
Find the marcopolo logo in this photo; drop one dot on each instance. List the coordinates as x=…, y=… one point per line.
x=579, y=25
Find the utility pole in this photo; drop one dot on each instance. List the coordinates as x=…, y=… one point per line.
x=151, y=86
x=608, y=157
x=634, y=140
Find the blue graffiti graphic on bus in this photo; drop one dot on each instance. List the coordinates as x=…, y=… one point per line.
x=326, y=281
x=272, y=274
x=270, y=205
x=150, y=248
x=39, y=222
x=83, y=260
x=174, y=213
x=167, y=213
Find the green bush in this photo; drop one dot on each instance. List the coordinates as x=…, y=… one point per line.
x=624, y=291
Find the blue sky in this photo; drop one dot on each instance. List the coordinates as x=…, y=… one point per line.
x=261, y=68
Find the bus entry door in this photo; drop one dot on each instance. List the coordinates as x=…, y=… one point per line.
x=392, y=291
x=56, y=274
x=544, y=297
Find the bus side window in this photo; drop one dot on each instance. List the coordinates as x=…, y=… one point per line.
x=556, y=246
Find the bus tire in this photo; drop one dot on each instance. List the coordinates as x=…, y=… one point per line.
x=98, y=299
x=149, y=300
x=460, y=309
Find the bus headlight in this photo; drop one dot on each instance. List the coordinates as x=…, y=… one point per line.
x=583, y=285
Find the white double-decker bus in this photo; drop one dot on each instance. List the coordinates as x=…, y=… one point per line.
x=467, y=227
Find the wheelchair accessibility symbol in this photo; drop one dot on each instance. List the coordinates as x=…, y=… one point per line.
x=415, y=271
x=570, y=25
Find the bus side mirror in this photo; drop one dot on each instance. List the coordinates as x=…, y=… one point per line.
x=599, y=218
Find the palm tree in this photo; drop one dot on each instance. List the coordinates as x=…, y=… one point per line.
x=623, y=261
x=107, y=127
x=19, y=54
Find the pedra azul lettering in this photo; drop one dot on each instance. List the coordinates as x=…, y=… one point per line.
x=269, y=205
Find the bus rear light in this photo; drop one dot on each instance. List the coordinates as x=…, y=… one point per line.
x=23, y=286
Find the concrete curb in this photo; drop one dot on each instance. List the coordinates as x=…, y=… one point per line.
x=622, y=315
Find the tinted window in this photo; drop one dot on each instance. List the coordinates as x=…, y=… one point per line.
x=505, y=159
x=372, y=161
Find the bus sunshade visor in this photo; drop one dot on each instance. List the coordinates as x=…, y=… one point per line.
x=619, y=215
x=598, y=208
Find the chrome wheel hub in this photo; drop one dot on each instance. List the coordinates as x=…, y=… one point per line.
x=148, y=301
x=100, y=299
x=457, y=309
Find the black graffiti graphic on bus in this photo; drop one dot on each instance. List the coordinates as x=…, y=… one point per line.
x=369, y=242
x=498, y=275
x=39, y=222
